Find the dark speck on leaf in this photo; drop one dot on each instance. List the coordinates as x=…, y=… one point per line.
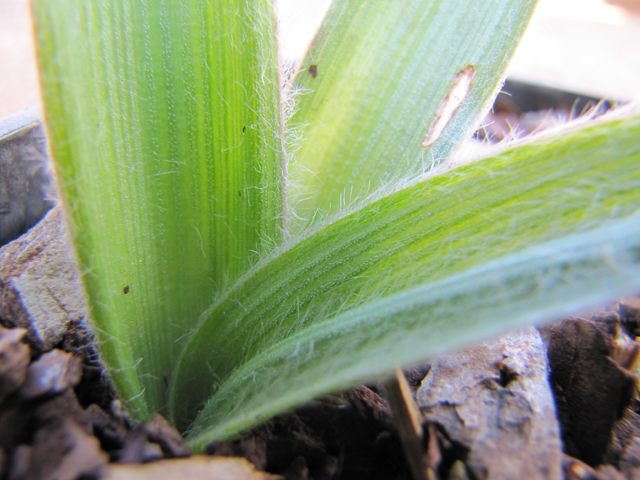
x=243, y=128
x=239, y=193
x=126, y=289
x=313, y=70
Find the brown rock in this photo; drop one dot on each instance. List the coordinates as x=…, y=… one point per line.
x=607, y=472
x=253, y=449
x=20, y=419
x=378, y=406
x=591, y=390
x=152, y=440
x=159, y=431
x=137, y=449
x=20, y=461
x=14, y=360
x=48, y=410
x=110, y=431
x=52, y=373
x=194, y=468
x=64, y=451
x=625, y=431
x=574, y=469
x=15, y=422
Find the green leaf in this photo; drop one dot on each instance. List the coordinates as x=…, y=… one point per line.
x=368, y=115
x=428, y=232
x=555, y=278
x=164, y=125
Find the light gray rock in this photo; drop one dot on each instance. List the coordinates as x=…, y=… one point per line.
x=26, y=183
x=40, y=287
x=495, y=399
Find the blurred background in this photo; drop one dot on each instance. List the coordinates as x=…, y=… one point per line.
x=589, y=47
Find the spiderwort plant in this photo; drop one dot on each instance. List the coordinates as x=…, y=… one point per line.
x=250, y=240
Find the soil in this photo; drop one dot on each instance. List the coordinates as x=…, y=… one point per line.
x=71, y=425
x=59, y=419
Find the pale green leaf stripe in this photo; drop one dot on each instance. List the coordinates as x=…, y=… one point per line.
x=537, y=284
x=383, y=69
x=164, y=125
x=434, y=229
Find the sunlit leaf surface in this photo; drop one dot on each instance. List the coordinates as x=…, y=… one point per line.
x=164, y=125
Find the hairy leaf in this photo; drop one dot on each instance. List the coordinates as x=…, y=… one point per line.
x=164, y=125
x=387, y=90
x=530, y=286
x=435, y=229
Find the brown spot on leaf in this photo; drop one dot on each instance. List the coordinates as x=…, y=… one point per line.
x=243, y=129
x=313, y=70
x=239, y=193
x=126, y=289
x=457, y=94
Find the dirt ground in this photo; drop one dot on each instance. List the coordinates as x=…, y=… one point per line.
x=60, y=420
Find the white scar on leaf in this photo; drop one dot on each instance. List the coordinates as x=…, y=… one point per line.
x=457, y=93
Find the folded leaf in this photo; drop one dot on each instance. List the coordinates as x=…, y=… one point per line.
x=537, y=284
x=164, y=125
x=387, y=90
x=435, y=229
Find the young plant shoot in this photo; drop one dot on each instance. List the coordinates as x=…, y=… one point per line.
x=250, y=239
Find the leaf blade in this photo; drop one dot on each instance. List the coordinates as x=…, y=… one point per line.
x=538, y=284
x=432, y=230
x=163, y=155
x=369, y=113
